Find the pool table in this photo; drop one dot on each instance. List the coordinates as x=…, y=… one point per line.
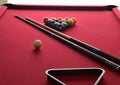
x=22, y=64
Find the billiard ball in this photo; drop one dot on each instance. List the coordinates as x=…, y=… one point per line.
x=72, y=22
x=49, y=22
x=56, y=25
x=74, y=19
x=37, y=44
x=60, y=27
x=45, y=19
x=65, y=24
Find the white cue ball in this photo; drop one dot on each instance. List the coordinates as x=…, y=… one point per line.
x=37, y=44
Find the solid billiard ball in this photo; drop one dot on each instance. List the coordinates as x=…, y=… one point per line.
x=49, y=22
x=74, y=19
x=37, y=44
x=64, y=23
x=60, y=27
x=60, y=21
x=55, y=25
x=72, y=22
x=45, y=19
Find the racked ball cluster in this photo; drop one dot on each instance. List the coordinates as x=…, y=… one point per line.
x=59, y=23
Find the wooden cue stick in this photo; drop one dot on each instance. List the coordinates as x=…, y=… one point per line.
x=73, y=45
x=78, y=42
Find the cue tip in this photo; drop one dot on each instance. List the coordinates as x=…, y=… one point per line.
x=15, y=15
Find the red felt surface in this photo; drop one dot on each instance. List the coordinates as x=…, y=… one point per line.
x=20, y=64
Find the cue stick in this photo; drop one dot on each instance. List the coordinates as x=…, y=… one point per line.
x=78, y=42
x=73, y=45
